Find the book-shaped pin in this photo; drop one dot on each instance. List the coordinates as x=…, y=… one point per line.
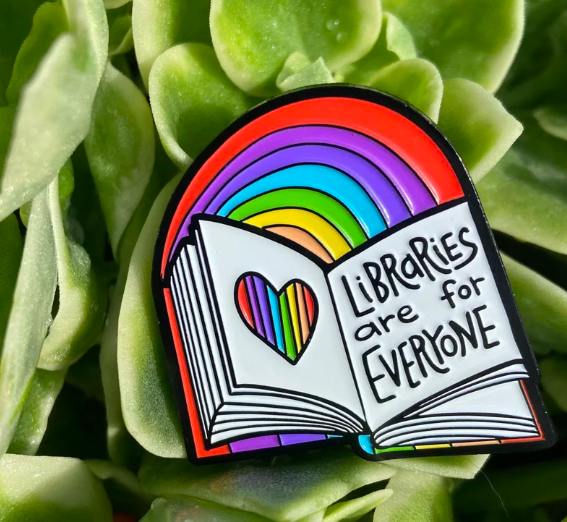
x=325, y=274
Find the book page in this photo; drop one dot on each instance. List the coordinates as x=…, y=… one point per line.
x=497, y=412
x=421, y=313
x=278, y=274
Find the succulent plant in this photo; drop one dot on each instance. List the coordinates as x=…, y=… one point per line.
x=103, y=105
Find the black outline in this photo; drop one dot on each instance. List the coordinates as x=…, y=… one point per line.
x=487, y=240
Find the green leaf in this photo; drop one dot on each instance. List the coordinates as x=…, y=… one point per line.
x=542, y=305
x=175, y=510
x=120, y=39
x=414, y=80
x=516, y=487
x=49, y=22
x=478, y=126
x=6, y=122
x=395, y=43
x=54, y=107
x=192, y=100
x=463, y=467
x=50, y=488
x=294, y=63
x=351, y=510
x=538, y=74
x=525, y=195
x=15, y=24
x=473, y=40
x=115, y=4
x=122, y=487
x=10, y=256
x=253, y=39
x=81, y=308
x=147, y=399
x=285, y=489
x=553, y=119
x=157, y=26
x=120, y=150
x=554, y=379
x=66, y=186
x=417, y=497
x=294, y=76
x=122, y=448
x=29, y=317
x=85, y=374
x=44, y=389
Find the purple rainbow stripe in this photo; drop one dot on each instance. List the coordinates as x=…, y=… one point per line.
x=272, y=441
x=300, y=438
x=265, y=309
x=406, y=181
x=258, y=323
x=255, y=443
x=368, y=176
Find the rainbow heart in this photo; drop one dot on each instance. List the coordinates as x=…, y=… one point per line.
x=284, y=320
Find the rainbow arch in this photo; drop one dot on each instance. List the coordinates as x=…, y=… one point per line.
x=328, y=168
x=327, y=172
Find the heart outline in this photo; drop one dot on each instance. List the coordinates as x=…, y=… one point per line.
x=250, y=321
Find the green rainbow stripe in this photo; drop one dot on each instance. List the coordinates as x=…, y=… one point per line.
x=287, y=328
x=324, y=205
x=274, y=305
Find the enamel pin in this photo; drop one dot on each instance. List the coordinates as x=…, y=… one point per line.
x=324, y=274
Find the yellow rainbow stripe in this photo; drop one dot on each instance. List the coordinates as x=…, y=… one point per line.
x=322, y=230
x=290, y=291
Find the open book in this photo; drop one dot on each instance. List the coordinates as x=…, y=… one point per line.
x=405, y=339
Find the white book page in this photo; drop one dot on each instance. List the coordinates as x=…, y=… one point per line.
x=323, y=370
x=396, y=365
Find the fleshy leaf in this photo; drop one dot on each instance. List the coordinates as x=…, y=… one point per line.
x=44, y=389
x=253, y=39
x=175, y=510
x=120, y=39
x=473, y=40
x=351, y=510
x=192, y=100
x=10, y=256
x=417, y=497
x=85, y=374
x=50, y=488
x=538, y=74
x=294, y=63
x=6, y=122
x=516, y=487
x=146, y=395
x=55, y=105
x=15, y=24
x=553, y=119
x=462, y=467
x=542, y=305
x=157, y=26
x=29, y=317
x=122, y=448
x=477, y=124
x=395, y=43
x=416, y=81
x=115, y=4
x=312, y=74
x=525, y=195
x=122, y=486
x=283, y=490
x=49, y=22
x=554, y=379
x=81, y=309
x=120, y=149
